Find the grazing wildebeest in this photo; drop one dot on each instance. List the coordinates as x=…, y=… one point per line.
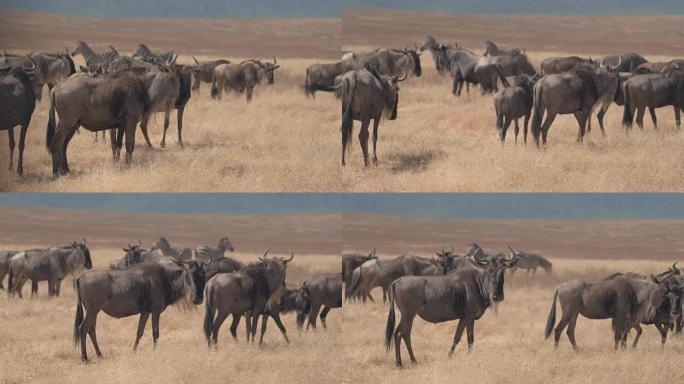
x=96, y=103
x=531, y=261
x=365, y=95
x=5, y=257
x=436, y=50
x=250, y=292
x=17, y=103
x=492, y=49
x=147, y=288
x=325, y=292
x=204, y=71
x=51, y=264
x=555, y=65
x=627, y=62
x=653, y=91
x=465, y=294
x=91, y=58
x=320, y=77
x=387, y=61
x=352, y=261
x=144, y=53
x=576, y=92
x=242, y=77
x=512, y=103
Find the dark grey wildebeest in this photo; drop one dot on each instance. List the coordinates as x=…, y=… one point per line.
x=249, y=292
x=325, y=292
x=513, y=102
x=489, y=68
x=531, y=261
x=626, y=62
x=653, y=91
x=5, y=257
x=351, y=261
x=320, y=77
x=146, y=289
x=36, y=63
x=492, y=49
x=17, y=103
x=203, y=71
x=242, y=77
x=144, y=53
x=438, y=53
x=387, y=61
x=51, y=265
x=365, y=96
x=555, y=65
x=96, y=103
x=576, y=92
x=464, y=294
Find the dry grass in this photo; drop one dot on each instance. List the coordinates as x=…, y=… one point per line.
x=509, y=347
x=37, y=347
x=444, y=143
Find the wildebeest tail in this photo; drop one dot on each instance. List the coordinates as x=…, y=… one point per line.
x=10, y=282
x=308, y=91
x=208, y=315
x=391, y=319
x=551, y=321
x=537, y=110
x=79, y=314
x=627, y=115
x=347, y=114
x=214, y=88
x=51, y=121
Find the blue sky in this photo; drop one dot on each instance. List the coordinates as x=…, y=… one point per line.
x=431, y=205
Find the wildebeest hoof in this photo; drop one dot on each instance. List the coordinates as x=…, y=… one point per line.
x=162, y=144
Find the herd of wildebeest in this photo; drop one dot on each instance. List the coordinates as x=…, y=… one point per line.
x=115, y=92
x=147, y=281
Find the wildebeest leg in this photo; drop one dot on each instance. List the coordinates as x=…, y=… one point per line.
x=599, y=116
x=255, y=323
x=58, y=287
x=10, y=133
x=220, y=318
x=550, y=116
x=678, y=121
x=249, y=90
x=143, y=127
x=22, y=139
x=517, y=129
x=313, y=315
x=406, y=335
x=83, y=328
x=640, y=117
x=196, y=83
x=115, y=148
x=179, y=117
x=370, y=297
x=363, y=140
x=527, y=121
x=324, y=314
x=376, y=122
x=384, y=294
x=638, y=334
x=34, y=288
x=141, y=328
x=280, y=325
x=457, y=336
x=130, y=140
x=93, y=336
x=234, y=326
x=571, y=330
x=264, y=320
x=663, y=333
x=567, y=315
x=119, y=141
x=651, y=110
x=502, y=134
x=67, y=140
x=155, y=327
x=470, y=327
x=167, y=112
x=581, y=118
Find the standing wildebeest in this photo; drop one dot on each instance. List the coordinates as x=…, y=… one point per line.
x=5, y=257
x=294, y=299
x=555, y=65
x=38, y=64
x=576, y=92
x=465, y=294
x=17, y=103
x=204, y=71
x=365, y=95
x=145, y=289
x=144, y=53
x=320, y=77
x=627, y=62
x=324, y=291
x=352, y=261
x=242, y=77
x=512, y=103
x=653, y=91
x=492, y=50
x=489, y=68
x=97, y=103
x=52, y=264
x=387, y=61
x=531, y=261
x=438, y=53
x=250, y=292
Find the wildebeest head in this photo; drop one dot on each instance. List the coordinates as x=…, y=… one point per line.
x=446, y=259
x=391, y=88
x=415, y=56
x=668, y=293
x=132, y=255
x=495, y=268
x=83, y=248
x=269, y=69
x=196, y=274
x=274, y=271
x=225, y=245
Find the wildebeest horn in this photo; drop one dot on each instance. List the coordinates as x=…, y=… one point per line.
x=403, y=77
x=275, y=61
x=265, y=253
x=84, y=240
x=33, y=64
x=196, y=62
x=613, y=68
x=371, y=253
x=290, y=259
x=674, y=266
x=655, y=279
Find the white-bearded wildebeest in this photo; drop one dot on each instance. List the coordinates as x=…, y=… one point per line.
x=387, y=61
x=365, y=95
x=144, y=53
x=576, y=92
x=320, y=77
x=17, y=103
x=653, y=91
x=351, y=261
x=146, y=289
x=204, y=72
x=51, y=264
x=512, y=103
x=531, y=261
x=489, y=68
x=627, y=62
x=325, y=292
x=250, y=292
x=96, y=103
x=492, y=49
x=465, y=294
x=242, y=77
x=437, y=50
x=5, y=257
x=555, y=65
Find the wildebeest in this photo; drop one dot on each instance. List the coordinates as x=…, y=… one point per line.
x=465, y=294
x=626, y=62
x=512, y=103
x=96, y=103
x=365, y=95
x=612, y=298
x=320, y=77
x=5, y=257
x=531, y=261
x=294, y=299
x=437, y=50
x=576, y=92
x=555, y=65
x=146, y=289
x=351, y=261
x=17, y=103
x=325, y=292
x=242, y=77
x=653, y=91
x=203, y=71
x=51, y=264
x=250, y=292
x=492, y=49
x=387, y=61
x=144, y=53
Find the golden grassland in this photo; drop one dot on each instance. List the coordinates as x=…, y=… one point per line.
x=509, y=346
x=36, y=341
